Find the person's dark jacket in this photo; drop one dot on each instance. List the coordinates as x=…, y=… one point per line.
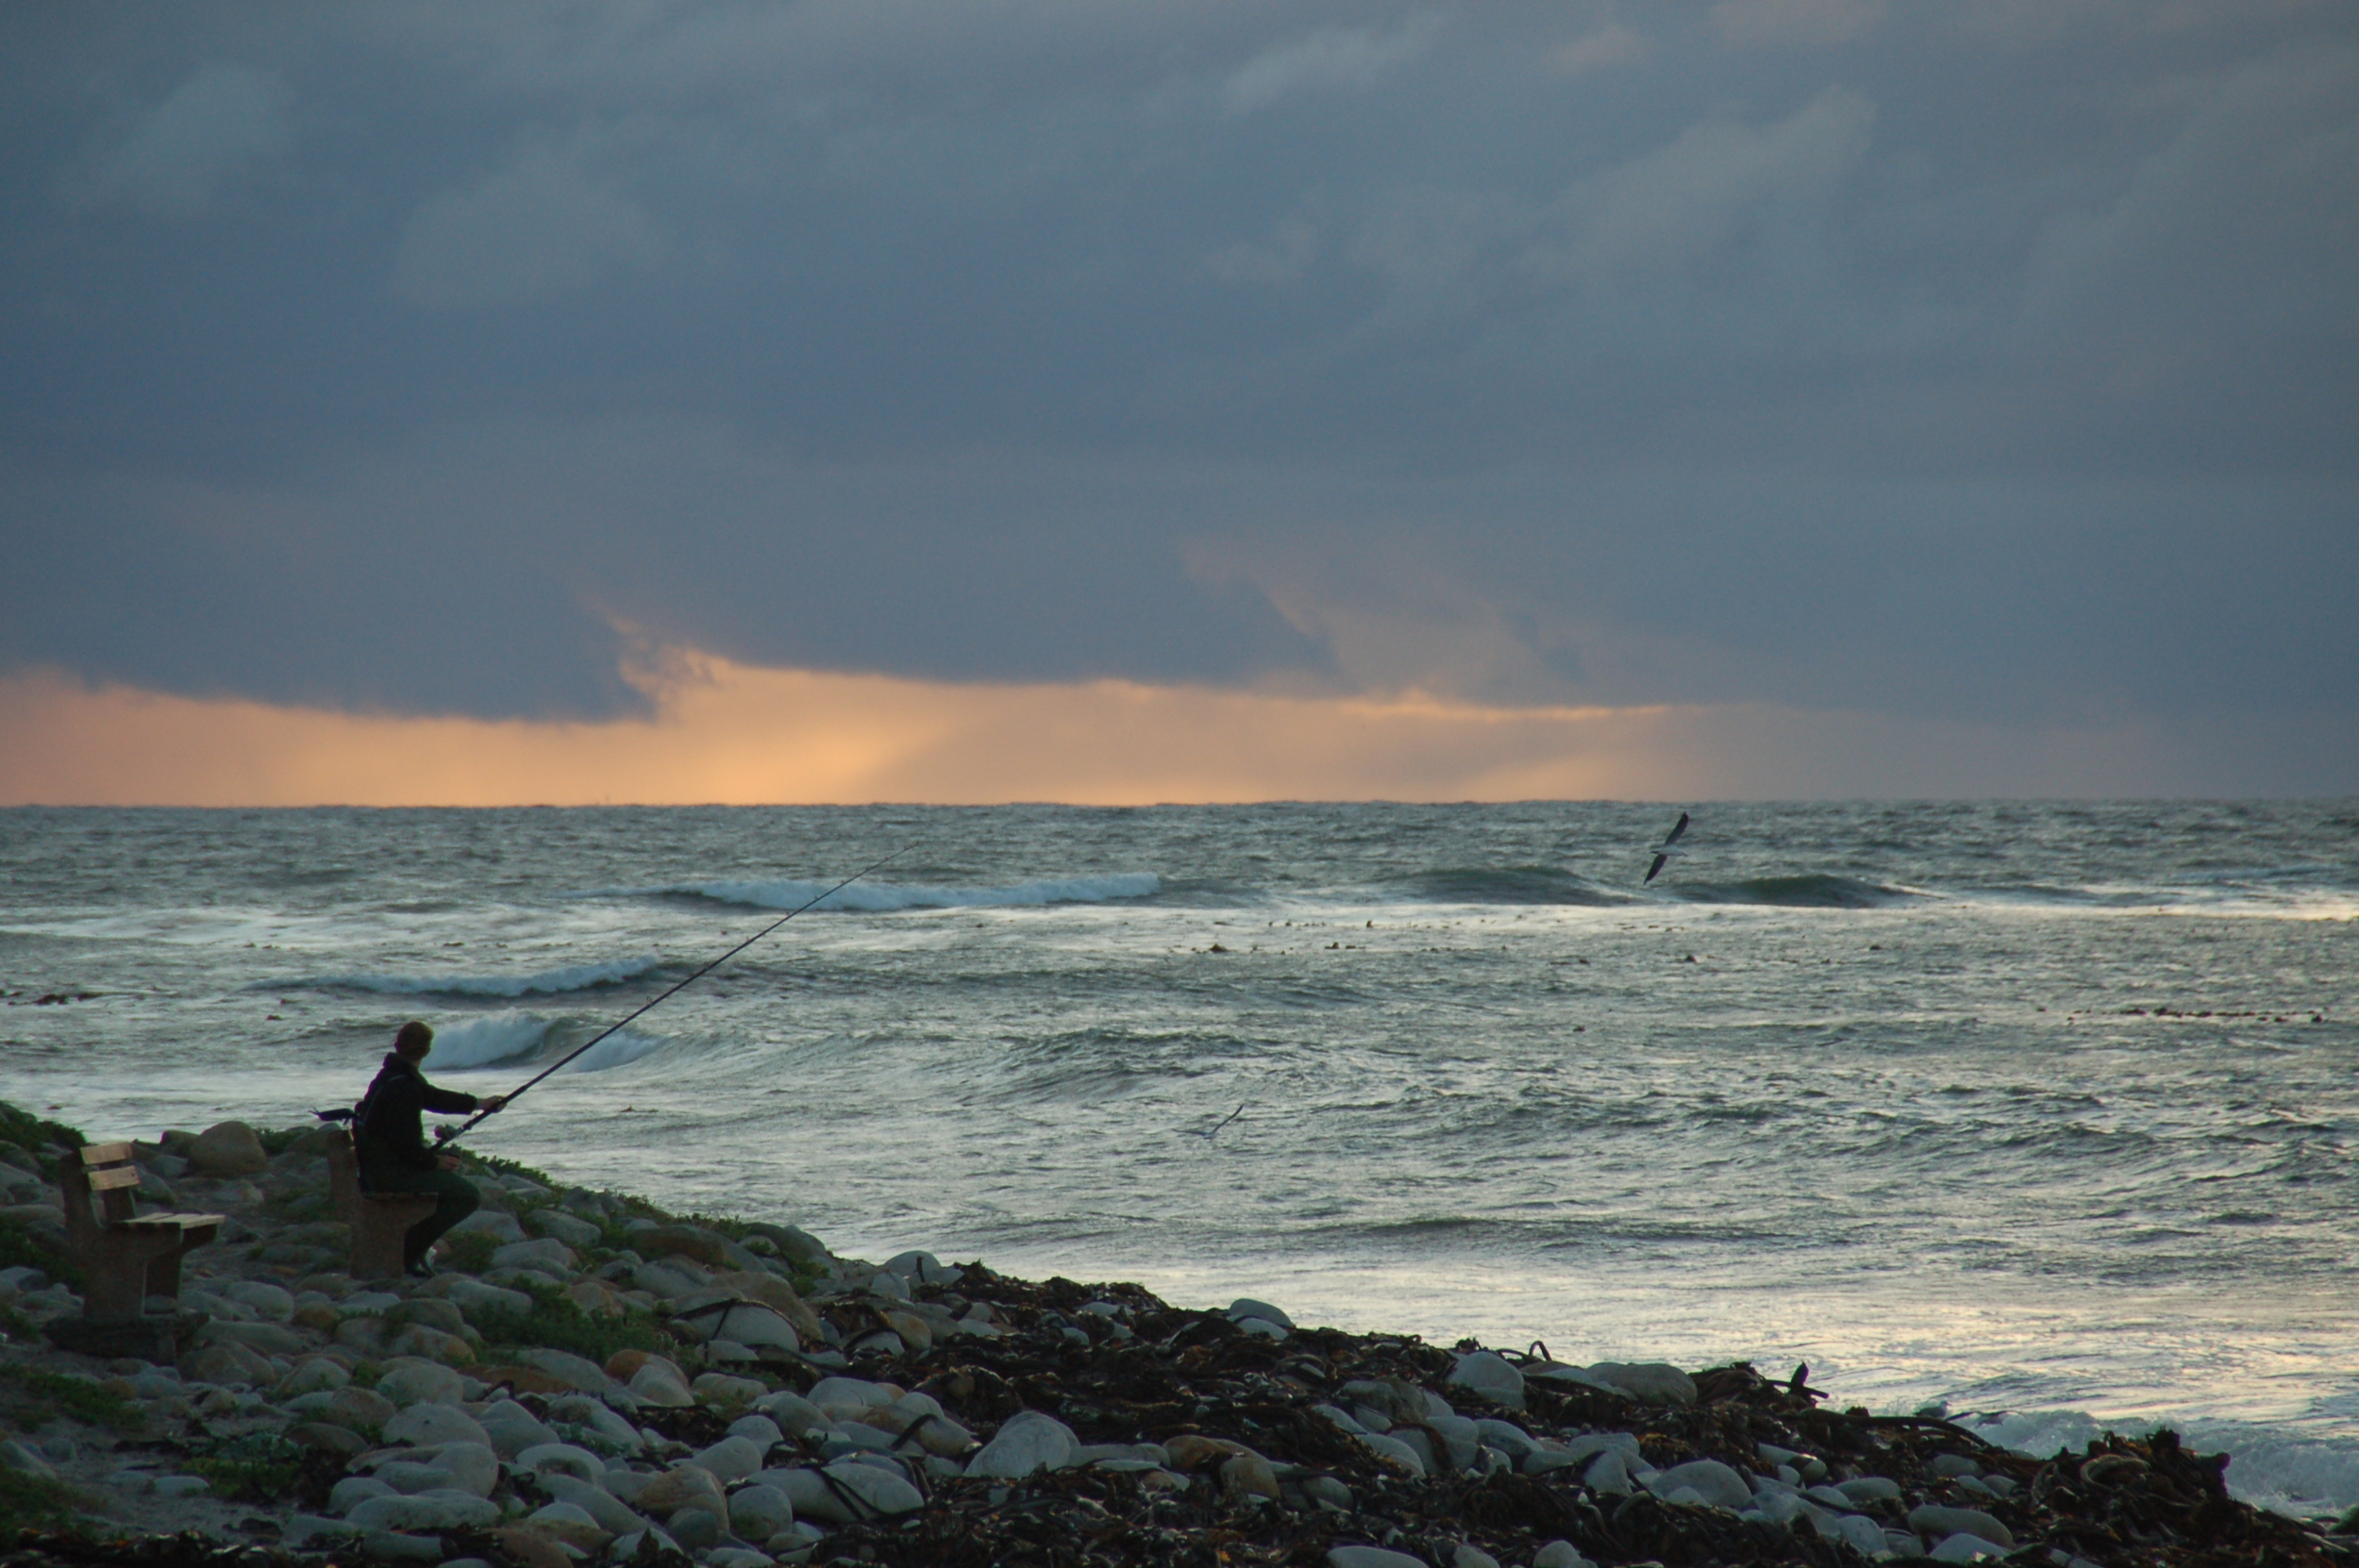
x=390, y=1130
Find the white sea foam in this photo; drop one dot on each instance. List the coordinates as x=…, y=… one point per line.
x=787, y=894
x=548, y=982
x=615, y=1050
x=515, y=1039
x=2267, y=1468
x=489, y=1041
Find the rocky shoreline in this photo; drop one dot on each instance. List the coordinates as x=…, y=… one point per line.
x=589, y=1379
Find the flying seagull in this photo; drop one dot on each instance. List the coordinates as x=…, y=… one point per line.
x=1663, y=852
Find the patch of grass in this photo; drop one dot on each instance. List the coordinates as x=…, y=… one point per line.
x=27, y=1131
x=16, y=1326
x=30, y=1133
x=257, y=1467
x=29, y=1502
x=280, y=1141
x=21, y=1244
x=612, y=1237
x=736, y=1230
x=365, y=1373
x=27, y=1390
x=556, y=1323
x=471, y=1250
x=512, y=1167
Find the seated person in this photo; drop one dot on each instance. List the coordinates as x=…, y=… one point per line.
x=388, y=1142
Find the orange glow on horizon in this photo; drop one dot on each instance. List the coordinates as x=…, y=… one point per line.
x=722, y=733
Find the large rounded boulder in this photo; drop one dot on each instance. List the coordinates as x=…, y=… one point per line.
x=229, y=1149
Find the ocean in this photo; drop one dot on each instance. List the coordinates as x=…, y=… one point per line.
x=2043, y=1113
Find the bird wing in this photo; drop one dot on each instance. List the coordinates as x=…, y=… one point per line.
x=1678, y=828
x=1660, y=861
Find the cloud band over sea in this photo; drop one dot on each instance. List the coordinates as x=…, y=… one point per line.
x=727, y=733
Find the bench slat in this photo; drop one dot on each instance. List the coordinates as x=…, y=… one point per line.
x=102, y=1182
x=105, y=1154
x=183, y=1221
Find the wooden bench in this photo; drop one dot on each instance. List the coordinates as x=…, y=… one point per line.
x=379, y=1221
x=129, y=1256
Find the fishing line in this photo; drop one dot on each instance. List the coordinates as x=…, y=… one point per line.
x=445, y=1133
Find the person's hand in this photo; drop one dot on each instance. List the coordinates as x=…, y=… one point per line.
x=447, y=1162
x=497, y=1102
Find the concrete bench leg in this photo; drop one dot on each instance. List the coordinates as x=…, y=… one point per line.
x=381, y=1227
x=164, y=1274
x=119, y=1263
x=378, y=1224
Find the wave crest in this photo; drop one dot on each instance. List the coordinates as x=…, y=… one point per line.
x=1512, y=885
x=548, y=982
x=1815, y=890
x=523, y=1039
x=882, y=896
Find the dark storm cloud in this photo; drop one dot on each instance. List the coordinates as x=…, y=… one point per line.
x=1992, y=358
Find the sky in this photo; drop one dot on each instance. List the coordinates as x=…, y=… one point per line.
x=1055, y=399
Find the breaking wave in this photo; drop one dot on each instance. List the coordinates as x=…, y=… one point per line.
x=1816, y=891
x=521, y=1039
x=2296, y=1476
x=872, y=896
x=550, y=982
x=1512, y=885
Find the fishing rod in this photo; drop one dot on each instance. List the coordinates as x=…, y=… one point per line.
x=445, y=1133
x=1206, y=1133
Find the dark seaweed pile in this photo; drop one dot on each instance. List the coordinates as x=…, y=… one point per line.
x=2122, y=1502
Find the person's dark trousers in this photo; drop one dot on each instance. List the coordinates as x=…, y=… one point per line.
x=458, y=1196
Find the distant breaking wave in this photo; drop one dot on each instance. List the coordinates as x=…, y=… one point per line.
x=787, y=894
x=1542, y=884
x=550, y=982
x=1816, y=891
x=1512, y=885
x=2294, y=1476
x=519, y=1038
